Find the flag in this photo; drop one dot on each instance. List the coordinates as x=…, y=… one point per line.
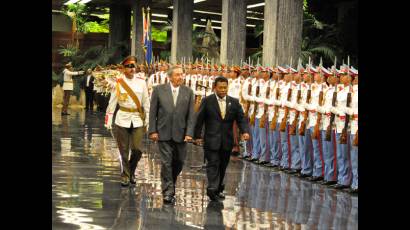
x=147, y=37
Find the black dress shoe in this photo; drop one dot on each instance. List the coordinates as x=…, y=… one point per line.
x=168, y=199
x=328, y=182
x=304, y=175
x=133, y=180
x=248, y=158
x=64, y=113
x=340, y=186
x=316, y=178
x=221, y=196
x=354, y=190
x=293, y=171
x=254, y=160
x=241, y=157
x=262, y=162
x=235, y=153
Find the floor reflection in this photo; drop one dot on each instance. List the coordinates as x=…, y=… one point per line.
x=86, y=193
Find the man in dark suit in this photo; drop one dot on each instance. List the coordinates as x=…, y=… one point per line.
x=171, y=124
x=88, y=85
x=218, y=112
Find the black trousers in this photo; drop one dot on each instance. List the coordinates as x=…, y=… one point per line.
x=172, y=160
x=129, y=138
x=89, y=99
x=216, y=167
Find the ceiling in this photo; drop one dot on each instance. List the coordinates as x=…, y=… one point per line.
x=161, y=7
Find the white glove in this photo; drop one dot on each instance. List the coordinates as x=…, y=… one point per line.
x=299, y=108
x=320, y=109
x=349, y=111
x=81, y=72
x=108, y=120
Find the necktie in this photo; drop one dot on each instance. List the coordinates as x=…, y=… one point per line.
x=222, y=107
x=174, y=96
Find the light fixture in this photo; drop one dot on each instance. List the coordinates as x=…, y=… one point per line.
x=160, y=15
x=255, y=5
x=195, y=1
x=206, y=12
x=250, y=25
x=159, y=21
x=204, y=20
x=85, y=1
x=213, y=27
x=260, y=19
x=71, y=2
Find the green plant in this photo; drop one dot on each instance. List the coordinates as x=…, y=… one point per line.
x=68, y=51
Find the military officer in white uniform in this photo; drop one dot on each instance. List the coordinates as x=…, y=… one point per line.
x=129, y=122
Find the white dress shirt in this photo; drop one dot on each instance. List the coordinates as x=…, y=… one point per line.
x=174, y=91
x=222, y=105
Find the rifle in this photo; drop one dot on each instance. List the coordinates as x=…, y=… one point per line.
x=292, y=130
x=302, y=127
x=274, y=121
x=356, y=138
x=316, y=131
x=343, y=136
x=282, y=126
x=197, y=97
x=265, y=109
x=332, y=117
x=248, y=103
x=255, y=106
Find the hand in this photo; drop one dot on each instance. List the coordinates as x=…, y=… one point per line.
x=81, y=72
x=245, y=136
x=108, y=121
x=199, y=141
x=188, y=139
x=154, y=137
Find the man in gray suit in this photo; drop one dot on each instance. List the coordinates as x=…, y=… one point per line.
x=171, y=124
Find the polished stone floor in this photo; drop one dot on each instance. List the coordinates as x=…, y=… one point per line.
x=86, y=193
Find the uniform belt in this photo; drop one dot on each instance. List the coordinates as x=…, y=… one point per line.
x=68, y=81
x=131, y=110
x=342, y=117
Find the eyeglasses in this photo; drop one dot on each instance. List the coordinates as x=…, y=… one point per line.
x=129, y=66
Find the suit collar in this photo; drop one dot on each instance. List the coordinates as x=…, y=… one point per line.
x=214, y=100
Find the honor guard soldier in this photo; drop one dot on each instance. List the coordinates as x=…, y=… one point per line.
x=260, y=118
x=272, y=113
x=305, y=142
x=285, y=93
x=247, y=89
x=354, y=119
x=234, y=90
x=314, y=125
x=344, y=91
x=252, y=115
x=131, y=94
x=327, y=132
x=293, y=120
